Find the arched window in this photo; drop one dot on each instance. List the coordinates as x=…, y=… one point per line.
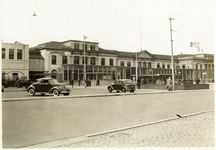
x=144, y=64
x=53, y=72
x=183, y=66
x=92, y=60
x=149, y=65
x=158, y=65
x=76, y=60
x=128, y=64
x=163, y=65
x=139, y=64
x=122, y=63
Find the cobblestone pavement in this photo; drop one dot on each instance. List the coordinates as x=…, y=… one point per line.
x=192, y=131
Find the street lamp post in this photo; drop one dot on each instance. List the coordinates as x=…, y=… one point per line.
x=84, y=69
x=173, y=83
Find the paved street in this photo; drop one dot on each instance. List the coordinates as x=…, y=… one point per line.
x=59, y=118
x=192, y=131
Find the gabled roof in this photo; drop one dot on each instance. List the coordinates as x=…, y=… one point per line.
x=51, y=45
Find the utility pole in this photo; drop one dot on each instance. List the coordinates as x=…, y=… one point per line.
x=84, y=69
x=136, y=66
x=173, y=81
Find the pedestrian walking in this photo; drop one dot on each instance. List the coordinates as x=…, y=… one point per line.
x=79, y=82
x=169, y=84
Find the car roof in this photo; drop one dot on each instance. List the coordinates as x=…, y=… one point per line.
x=45, y=79
x=123, y=79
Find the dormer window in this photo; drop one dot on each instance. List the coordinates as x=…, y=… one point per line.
x=92, y=48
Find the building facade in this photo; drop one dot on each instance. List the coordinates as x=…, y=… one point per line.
x=65, y=61
x=15, y=61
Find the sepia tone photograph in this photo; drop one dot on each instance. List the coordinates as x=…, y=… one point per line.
x=126, y=74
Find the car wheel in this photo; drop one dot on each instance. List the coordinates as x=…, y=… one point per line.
x=42, y=94
x=55, y=92
x=123, y=90
x=66, y=94
x=110, y=89
x=117, y=91
x=131, y=91
x=31, y=92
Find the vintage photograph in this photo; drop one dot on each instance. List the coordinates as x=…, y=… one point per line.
x=107, y=74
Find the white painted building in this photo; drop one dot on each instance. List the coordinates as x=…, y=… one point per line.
x=15, y=60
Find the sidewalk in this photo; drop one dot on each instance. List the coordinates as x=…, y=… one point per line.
x=195, y=130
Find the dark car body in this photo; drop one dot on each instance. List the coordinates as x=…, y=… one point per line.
x=122, y=85
x=48, y=85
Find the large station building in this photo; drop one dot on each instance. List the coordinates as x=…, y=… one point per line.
x=65, y=61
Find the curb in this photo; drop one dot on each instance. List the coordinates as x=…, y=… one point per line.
x=100, y=95
x=54, y=144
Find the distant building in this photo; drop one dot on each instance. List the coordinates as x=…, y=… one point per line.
x=15, y=61
x=65, y=61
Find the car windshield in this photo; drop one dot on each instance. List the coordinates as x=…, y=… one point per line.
x=53, y=81
x=128, y=81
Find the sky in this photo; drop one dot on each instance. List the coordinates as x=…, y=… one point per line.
x=124, y=25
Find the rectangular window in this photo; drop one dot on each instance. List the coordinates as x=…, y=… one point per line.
x=103, y=61
x=163, y=66
x=122, y=63
x=168, y=66
x=11, y=53
x=64, y=59
x=19, y=54
x=111, y=62
x=76, y=60
x=3, y=53
x=53, y=60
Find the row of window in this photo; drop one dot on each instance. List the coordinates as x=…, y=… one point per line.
x=122, y=63
x=163, y=66
x=78, y=46
x=77, y=60
x=11, y=53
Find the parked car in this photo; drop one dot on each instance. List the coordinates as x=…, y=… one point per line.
x=122, y=85
x=48, y=85
x=2, y=88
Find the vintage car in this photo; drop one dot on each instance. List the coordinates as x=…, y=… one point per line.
x=122, y=85
x=3, y=88
x=48, y=85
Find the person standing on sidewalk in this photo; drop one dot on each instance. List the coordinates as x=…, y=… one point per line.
x=169, y=84
x=72, y=82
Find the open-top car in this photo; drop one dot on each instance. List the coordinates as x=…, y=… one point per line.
x=122, y=85
x=48, y=85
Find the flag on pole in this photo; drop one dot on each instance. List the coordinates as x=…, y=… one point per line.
x=194, y=44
